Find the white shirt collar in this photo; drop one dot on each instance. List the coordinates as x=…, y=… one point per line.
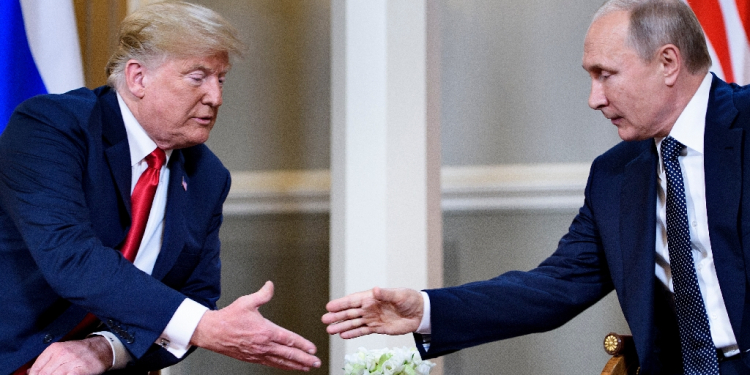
x=140, y=143
x=690, y=127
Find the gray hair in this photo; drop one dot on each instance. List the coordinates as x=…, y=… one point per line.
x=171, y=29
x=655, y=23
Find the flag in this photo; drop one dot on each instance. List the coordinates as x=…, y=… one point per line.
x=39, y=51
x=726, y=24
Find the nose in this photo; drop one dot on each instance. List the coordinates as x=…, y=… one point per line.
x=213, y=94
x=597, y=98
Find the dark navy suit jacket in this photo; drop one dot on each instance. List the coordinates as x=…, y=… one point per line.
x=65, y=180
x=611, y=245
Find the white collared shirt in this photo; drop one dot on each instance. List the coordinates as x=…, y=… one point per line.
x=179, y=330
x=141, y=146
x=689, y=130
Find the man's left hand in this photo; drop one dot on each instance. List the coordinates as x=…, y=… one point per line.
x=90, y=356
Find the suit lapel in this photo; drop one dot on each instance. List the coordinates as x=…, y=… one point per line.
x=116, y=149
x=117, y=153
x=174, y=216
x=637, y=238
x=723, y=169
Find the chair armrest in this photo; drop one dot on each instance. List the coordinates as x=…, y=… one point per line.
x=624, y=359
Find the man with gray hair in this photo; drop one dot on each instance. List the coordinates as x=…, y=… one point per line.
x=110, y=209
x=665, y=222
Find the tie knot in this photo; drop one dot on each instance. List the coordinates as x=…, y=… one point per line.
x=156, y=158
x=671, y=148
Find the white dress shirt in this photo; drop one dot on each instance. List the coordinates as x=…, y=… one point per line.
x=179, y=330
x=688, y=130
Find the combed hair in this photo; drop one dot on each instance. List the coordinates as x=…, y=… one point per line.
x=655, y=23
x=176, y=29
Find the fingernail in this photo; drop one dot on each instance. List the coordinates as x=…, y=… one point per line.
x=316, y=364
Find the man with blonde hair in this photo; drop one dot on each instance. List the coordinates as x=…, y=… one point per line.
x=110, y=209
x=665, y=222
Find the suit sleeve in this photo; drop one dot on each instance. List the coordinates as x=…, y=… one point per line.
x=516, y=303
x=203, y=281
x=44, y=153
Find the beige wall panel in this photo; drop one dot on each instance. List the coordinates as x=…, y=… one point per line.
x=98, y=24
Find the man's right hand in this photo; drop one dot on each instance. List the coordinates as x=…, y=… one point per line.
x=240, y=331
x=383, y=311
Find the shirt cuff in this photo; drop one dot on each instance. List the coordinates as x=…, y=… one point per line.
x=176, y=336
x=120, y=355
x=425, y=326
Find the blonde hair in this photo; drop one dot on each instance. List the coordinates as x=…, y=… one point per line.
x=167, y=29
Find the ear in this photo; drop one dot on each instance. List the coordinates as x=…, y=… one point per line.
x=135, y=77
x=670, y=61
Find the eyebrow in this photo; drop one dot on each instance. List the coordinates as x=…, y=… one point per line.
x=204, y=68
x=595, y=67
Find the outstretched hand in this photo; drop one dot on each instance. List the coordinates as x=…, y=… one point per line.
x=240, y=331
x=383, y=311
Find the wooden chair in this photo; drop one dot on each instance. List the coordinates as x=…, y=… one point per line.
x=624, y=359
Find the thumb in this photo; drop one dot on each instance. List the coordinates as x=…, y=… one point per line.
x=383, y=295
x=263, y=295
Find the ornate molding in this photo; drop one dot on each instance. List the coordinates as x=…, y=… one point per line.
x=513, y=187
x=274, y=192
x=470, y=188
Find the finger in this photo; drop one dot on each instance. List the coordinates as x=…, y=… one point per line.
x=285, y=364
x=354, y=333
x=41, y=361
x=287, y=338
x=290, y=355
x=261, y=297
x=407, y=300
x=48, y=367
x=265, y=293
x=342, y=315
x=348, y=302
x=385, y=295
x=345, y=325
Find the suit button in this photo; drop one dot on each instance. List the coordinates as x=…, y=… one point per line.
x=48, y=338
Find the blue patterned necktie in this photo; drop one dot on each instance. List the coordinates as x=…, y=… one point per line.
x=698, y=350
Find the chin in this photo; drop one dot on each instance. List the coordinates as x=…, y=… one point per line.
x=199, y=141
x=627, y=137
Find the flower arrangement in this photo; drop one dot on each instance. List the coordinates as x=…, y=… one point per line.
x=396, y=361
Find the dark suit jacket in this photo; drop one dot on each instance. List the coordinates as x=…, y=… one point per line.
x=611, y=245
x=65, y=180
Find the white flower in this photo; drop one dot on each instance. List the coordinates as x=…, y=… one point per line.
x=396, y=361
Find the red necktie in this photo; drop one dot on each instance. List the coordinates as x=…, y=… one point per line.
x=140, y=203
